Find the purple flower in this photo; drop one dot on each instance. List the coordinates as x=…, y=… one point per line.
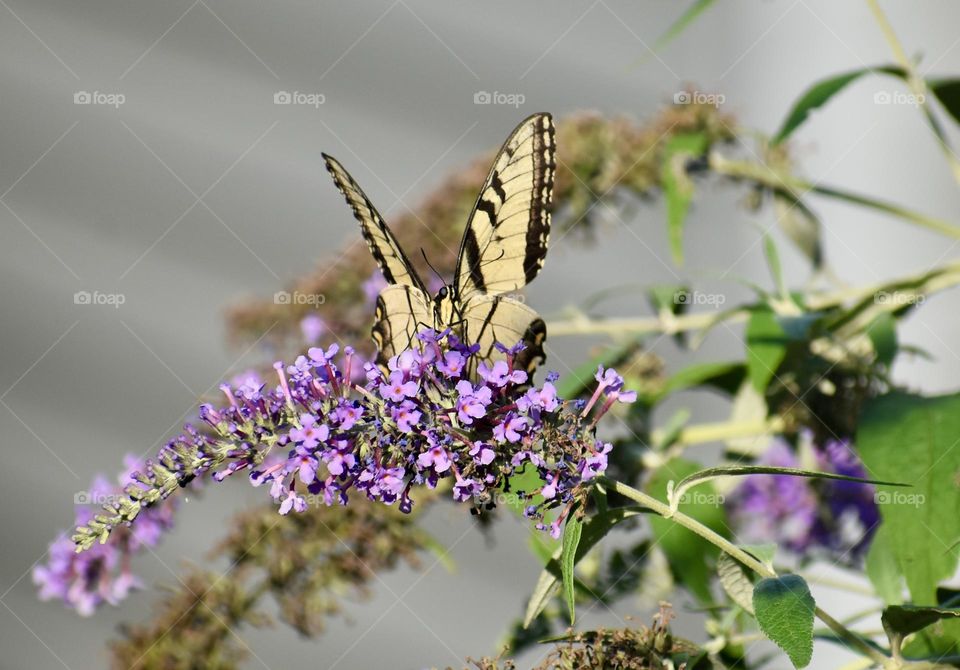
x=500, y=375
x=396, y=389
x=511, y=428
x=466, y=489
x=347, y=414
x=805, y=515
x=306, y=464
x=472, y=403
x=435, y=457
x=310, y=434
x=293, y=502
x=339, y=461
x=406, y=415
x=321, y=357
x=482, y=453
x=596, y=463
x=452, y=364
x=545, y=399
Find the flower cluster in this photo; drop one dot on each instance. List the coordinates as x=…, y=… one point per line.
x=437, y=413
x=806, y=515
x=83, y=581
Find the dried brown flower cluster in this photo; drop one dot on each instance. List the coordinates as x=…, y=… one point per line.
x=308, y=562
x=640, y=648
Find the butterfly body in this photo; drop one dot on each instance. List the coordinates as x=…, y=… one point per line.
x=502, y=249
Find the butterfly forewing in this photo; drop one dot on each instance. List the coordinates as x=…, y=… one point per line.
x=505, y=242
x=383, y=245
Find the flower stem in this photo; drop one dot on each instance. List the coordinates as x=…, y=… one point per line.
x=797, y=187
x=917, y=84
x=691, y=524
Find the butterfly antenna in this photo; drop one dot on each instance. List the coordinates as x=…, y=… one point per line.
x=429, y=265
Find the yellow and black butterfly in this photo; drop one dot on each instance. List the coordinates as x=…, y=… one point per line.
x=502, y=250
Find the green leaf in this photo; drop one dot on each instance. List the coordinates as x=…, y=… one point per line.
x=568, y=558
x=766, y=347
x=689, y=555
x=799, y=224
x=882, y=568
x=678, y=26
x=819, y=94
x=784, y=609
x=914, y=439
x=883, y=335
x=905, y=619
x=735, y=582
x=677, y=187
x=594, y=530
x=723, y=376
x=948, y=93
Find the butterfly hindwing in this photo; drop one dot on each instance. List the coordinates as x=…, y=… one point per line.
x=401, y=312
x=490, y=319
x=383, y=245
x=505, y=242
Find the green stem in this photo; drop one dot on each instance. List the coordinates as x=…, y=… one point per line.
x=721, y=431
x=797, y=187
x=691, y=524
x=917, y=84
x=585, y=325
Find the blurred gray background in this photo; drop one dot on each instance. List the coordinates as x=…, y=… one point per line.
x=198, y=190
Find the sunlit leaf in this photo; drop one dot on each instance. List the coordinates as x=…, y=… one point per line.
x=784, y=609
x=572, y=531
x=819, y=94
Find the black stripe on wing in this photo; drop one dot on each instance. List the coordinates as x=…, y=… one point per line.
x=386, y=251
x=505, y=242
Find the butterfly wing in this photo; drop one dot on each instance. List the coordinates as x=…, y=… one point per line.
x=383, y=245
x=506, y=238
x=489, y=319
x=401, y=312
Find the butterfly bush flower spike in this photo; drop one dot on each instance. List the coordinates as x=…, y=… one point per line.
x=315, y=437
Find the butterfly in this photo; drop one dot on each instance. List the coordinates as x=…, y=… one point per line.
x=502, y=250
